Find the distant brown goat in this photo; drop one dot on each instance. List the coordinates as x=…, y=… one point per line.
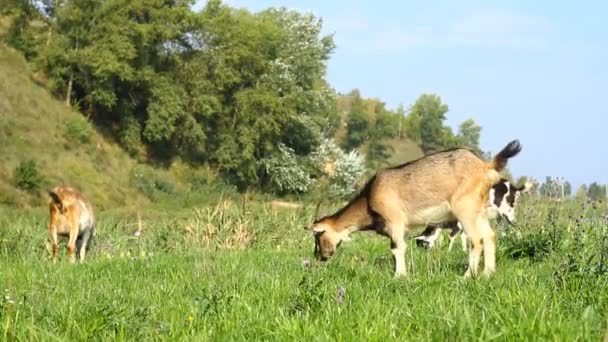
x=72, y=216
x=444, y=186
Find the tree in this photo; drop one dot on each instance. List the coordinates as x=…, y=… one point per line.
x=581, y=192
x=468, y=134
x=222, y=86
x=431, y=113
x=567, y=189
x=596, y=191
x=357, y=123
x=549, y=188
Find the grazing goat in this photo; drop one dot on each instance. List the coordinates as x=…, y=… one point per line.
x=72, y=216
x=502, y=203
x=444, y=186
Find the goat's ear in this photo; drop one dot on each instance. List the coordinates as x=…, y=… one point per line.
x=316, y=215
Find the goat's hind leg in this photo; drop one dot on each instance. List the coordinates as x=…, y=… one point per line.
x=82, y=244
x=489, y=245
x=471, y=229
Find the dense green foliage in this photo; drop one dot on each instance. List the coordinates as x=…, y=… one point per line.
x=222, y=87
x=235, y=270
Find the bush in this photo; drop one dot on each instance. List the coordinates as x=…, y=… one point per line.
x=146, y=180
x=287, y=172
x=194, y=177
x=130, y=137
x=27, y=177
x=535, y=246
x=348, y=168
x=78, y=130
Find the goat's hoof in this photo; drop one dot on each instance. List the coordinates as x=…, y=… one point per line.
x=488, y=273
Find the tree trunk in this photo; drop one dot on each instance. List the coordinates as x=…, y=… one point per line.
x=68, y=94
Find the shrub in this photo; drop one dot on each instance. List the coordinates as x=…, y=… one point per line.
x=535, y=246
x=27, y=177
x=130, y=137
x=348, y=168
x=149, y=182
x=77, y=130
x=291, y=173
x=287, y=172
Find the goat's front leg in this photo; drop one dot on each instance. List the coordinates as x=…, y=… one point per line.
x=53, y=235
x=74, y=229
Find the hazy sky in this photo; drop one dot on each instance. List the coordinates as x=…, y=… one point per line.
x=532, y=70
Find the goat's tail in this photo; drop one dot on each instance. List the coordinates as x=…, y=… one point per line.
x=500, y=160
x=56, y=199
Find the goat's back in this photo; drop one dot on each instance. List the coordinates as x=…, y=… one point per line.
x=425, y=189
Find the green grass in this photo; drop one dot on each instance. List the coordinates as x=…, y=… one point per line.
x=234, y=272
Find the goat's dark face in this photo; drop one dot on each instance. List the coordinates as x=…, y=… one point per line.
x=327, y=240
x=503, y=200
x=324, y=246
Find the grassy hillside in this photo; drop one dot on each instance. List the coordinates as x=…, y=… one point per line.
x=67, y=150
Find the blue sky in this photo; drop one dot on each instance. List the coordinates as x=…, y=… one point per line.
x=532, y=70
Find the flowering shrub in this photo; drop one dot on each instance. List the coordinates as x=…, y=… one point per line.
x=291, y=173
x=286, y=172
x=349, y=167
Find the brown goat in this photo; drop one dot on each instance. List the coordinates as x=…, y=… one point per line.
x=444, y=186
x=72, y=216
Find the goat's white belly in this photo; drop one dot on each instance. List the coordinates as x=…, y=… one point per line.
x=433, y=215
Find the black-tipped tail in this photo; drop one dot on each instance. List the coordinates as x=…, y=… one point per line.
x=57, y=200
x=510, y=151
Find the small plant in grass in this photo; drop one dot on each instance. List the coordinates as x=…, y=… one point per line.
x=307, y=297
x=535, y=245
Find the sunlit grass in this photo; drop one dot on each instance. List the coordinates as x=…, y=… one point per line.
x=222, y=273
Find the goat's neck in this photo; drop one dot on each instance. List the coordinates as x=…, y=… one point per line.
x=353, y=217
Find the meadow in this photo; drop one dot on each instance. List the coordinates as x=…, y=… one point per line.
x=235, y=270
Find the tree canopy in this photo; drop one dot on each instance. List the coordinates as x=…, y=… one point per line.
x=221, y=87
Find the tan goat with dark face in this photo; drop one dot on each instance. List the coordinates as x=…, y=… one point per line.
x=444, y=186
x=72, y=216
